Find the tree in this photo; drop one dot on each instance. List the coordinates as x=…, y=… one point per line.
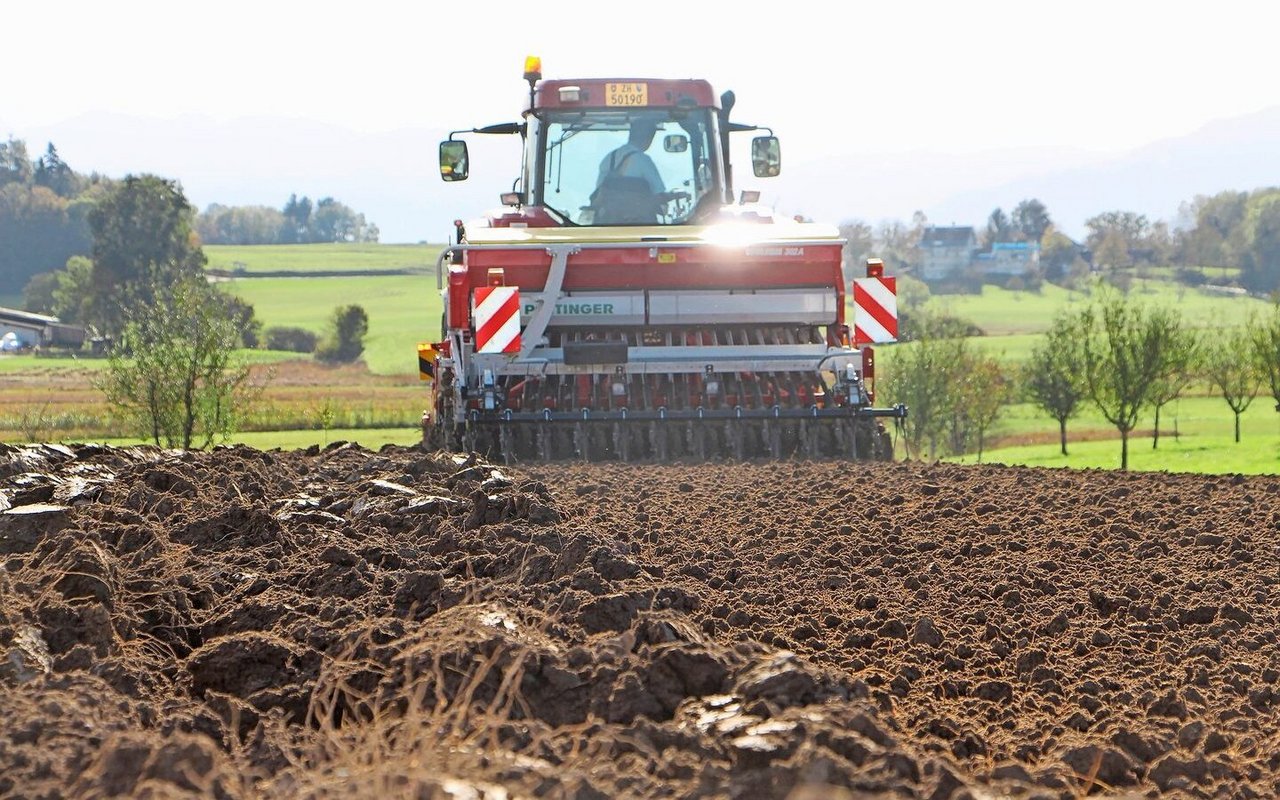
x=1057, y=252
x=37, y=295
x=15, y=165
x=241, y=314
x=1112, y=252
x=1260, y=268
x=220, y=224
x=913, y=294
x=344, y=341
x=859, y=246
x=297, y=220
x=924, y=376
x=73, y=291
x=1236, y=378
x=1053, y=379
x=1123, y=356
x=898, y=245
x=54, y=174
x=173, y=373
x=336, y=222
x=1159, y=245
x=297, y=340
x=1179, y=354
x=984, y=391
x=1128, y=227
x=143, y=241
x=1264, y=334
x=38, y=232
x=1213, y=233
x=998, y=228
x=1030, y=219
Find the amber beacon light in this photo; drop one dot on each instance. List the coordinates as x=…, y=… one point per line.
x=532, y=69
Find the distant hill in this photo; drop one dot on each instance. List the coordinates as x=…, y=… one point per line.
x=1239, y=153
x=392, y=179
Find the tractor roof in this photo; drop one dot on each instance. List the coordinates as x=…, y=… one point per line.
x=594, y=93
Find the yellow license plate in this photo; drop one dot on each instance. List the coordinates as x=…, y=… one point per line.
x=626, y=94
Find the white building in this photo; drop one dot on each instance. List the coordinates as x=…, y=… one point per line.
x=946, y=251
x=34, y=330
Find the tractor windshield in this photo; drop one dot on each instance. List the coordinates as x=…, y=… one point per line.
x=628, y=167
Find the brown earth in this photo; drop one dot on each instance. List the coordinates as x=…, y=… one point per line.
x=358, y=624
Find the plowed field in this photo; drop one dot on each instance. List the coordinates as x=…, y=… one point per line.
x=344, y=623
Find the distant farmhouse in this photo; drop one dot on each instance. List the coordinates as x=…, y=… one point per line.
x=952, y=253
x=945, y=252
x=21, y=330
x=1008, y=259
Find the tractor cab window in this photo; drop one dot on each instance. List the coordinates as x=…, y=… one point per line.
x=637, y=167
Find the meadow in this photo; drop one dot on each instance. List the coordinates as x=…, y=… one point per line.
x=1003, y=313
x=1196, y=435
x=340, y=257
x=403, y=310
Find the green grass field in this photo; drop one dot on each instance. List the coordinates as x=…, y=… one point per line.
x=322, y=257
x=1001, y=312
x=1204, y=454
x=1196, y=435
x=402, y=309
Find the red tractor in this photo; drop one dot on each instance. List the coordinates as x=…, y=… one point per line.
x=625, y=304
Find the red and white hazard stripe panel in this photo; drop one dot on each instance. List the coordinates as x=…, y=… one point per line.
x=875, y=310
x=496, y=312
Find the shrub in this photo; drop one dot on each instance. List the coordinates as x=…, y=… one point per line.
x=173, y=372
x=344, y=340
x=295, y=340
x=942, y=325
x=1191, y=276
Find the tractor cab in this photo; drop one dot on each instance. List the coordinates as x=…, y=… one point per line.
x=619, y=152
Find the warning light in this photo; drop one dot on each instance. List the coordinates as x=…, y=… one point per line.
x=875, y=268
x=532, y=69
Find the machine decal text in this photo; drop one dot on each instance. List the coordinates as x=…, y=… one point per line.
x=579, y=309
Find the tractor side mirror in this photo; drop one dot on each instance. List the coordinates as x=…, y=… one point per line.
x=766, y=156
x=675, y=143
x=453, y=160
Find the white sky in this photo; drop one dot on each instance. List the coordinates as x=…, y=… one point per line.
x=839, y=77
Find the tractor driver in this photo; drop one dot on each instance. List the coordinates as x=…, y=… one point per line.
x=630, y=160
x=629, y=189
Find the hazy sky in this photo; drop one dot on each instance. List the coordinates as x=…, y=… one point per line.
x=829, y=77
